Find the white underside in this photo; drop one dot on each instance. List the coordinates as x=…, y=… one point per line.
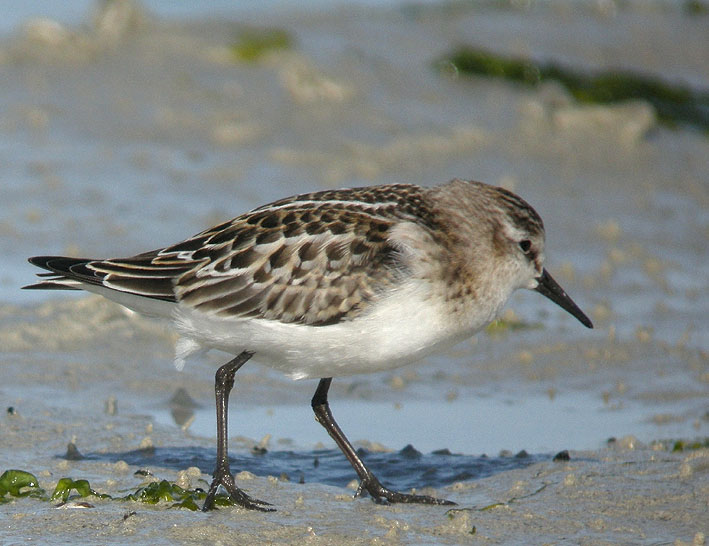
x=402, y=328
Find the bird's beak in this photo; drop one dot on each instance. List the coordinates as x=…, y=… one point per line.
x=550, y=288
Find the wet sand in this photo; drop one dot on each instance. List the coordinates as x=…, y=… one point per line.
x=121, y=137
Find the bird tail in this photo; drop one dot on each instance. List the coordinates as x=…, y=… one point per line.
x=64, y=273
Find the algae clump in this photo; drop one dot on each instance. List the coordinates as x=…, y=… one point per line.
x=675, y=104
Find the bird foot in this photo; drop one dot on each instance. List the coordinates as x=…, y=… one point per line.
x=382, y=495
x=224, y=478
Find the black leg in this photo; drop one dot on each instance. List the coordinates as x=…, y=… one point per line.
x=223, y=383
x=368, y=481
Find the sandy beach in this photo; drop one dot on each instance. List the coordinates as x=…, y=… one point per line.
x=133, y=131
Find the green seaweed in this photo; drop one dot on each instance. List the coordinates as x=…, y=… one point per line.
x=66, y=485
x=682, y=445
x=675, y=104
x=695, y=8
x=165, y=491
x=253, y=43
x=19, y=483
x=500, y=326
x=13, y=482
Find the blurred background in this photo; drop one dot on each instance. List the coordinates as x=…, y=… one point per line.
x=127, y=126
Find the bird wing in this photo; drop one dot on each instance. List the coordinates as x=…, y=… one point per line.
x=315, y=259
x=294, y=261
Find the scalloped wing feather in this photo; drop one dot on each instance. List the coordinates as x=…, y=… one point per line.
x=295, y=263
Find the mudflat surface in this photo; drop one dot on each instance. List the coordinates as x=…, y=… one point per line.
x=120, y=137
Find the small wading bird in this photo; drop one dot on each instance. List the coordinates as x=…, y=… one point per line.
x=329, y=284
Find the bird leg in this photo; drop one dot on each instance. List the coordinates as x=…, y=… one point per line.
x=368, y=481
x=223, y=383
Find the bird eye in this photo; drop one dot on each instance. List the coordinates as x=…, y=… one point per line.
x=525, y=245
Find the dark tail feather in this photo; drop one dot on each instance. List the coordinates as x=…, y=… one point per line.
x=62, y=268
x=59, y=265
x=138, y=275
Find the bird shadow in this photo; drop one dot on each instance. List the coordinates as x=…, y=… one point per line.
x=403, y=469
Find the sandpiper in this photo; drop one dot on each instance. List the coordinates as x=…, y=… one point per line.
x=329, y=284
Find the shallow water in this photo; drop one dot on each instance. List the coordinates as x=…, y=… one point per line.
x=403, y=470
x=404, y=443
x=466, y=425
